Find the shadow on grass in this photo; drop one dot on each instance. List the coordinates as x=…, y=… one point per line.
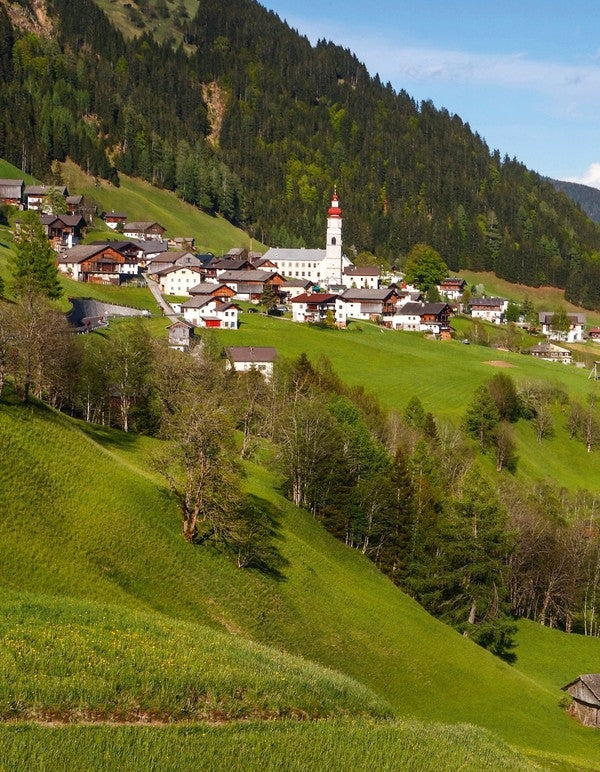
x=108, y=437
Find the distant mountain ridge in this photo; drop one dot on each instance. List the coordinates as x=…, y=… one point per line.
x=586, y=196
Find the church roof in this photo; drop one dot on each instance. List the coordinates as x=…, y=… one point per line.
x=287, y=253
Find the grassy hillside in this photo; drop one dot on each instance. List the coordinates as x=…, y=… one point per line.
x=115, y=540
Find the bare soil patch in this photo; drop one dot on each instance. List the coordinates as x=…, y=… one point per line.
x=499, y=363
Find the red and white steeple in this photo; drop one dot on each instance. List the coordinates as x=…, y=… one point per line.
x=332, y=265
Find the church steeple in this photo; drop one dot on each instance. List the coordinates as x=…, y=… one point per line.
x=333, y=249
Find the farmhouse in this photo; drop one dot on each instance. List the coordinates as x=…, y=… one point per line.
x=177, y=280
x=144, y=231
x=207, y=311
x=179, y=259
x=324, y=267
x=490, y=309
x=423, y=317
x=585, y=691
x=291, y=288
x=371, y=304
x=244, y=358
x=93, y=263
x=319, y=307
x=452, y=287
x=63, y=230
x=11, y=192
x=551, y=353
x=576, y=327
x=250, y=285
x=74, y=204
x=114, y=219
x=36, y=195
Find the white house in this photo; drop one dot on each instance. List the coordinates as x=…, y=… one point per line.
x=318, y=307
x=206, y=311
x=573, y=334
x=371, y=304
x=324, y=267
x=244, y=358
x=36, y=196
x=489, y=309
x=291, y=288
x=551, y=353
x=422, y=317
x=178, y=280
x=452, y=287
x=365, y=276
x=144, y=231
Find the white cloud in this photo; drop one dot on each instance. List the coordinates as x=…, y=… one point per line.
x=590, y=177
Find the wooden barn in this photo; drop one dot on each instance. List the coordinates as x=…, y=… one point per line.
x=585, y=691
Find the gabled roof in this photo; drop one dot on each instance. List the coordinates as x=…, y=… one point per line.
x=457, y=281
x=74, y=200
x=115, y=215
x=362, y=270
x=252, y=354
x=70, y=220
x=368, y=294
x=247, y=276
x=231, y=264
x=174, y=268
x=82, y=252
x=11, y=188
x=141, y=227
x=315, y=298
x=546, y=317
x=281, y=253
x=487, y=302
x=181, y=323
x=198, y=301
x=42, y=190
x=297, y=283
x=548, y=348
x=209, y=288
x=591, y=680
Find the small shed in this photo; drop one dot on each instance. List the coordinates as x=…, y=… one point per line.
x=585, y=691
x=181, y=335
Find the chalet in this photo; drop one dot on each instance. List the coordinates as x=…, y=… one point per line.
x=74, y=204
x=181, y=242
x=207, y=311
x=114, y=219
x=208, y=289
x=291, y=288
x=224, y=264
x=177, y=280
x=585, y=691
x=181, y=335
x=244, y=358
x=318, y=307
x=489, y=309
x=376, y=305
x=422, y=317
x=63, y=230
x=144, y=231
x=237, y=253
x=576, y=327
x=168, y=259
x=594, y=333
x=258, y=261
x=93, y=263
x=452, y=287
x=35, y=196
x=250, y=285
x=11, y=192
x=551, y=353
x=365, y=276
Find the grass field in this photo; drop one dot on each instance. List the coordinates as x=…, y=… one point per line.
x=122, y=591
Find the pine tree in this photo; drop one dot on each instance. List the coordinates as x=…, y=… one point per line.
x=34, y=265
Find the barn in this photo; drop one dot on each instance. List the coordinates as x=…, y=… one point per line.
x=585, y=691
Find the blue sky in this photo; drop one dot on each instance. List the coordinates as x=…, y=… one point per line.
x=525, y=75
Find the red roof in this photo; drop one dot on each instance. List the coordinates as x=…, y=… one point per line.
x=334, y=210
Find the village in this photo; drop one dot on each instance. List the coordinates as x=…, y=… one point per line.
x=316, y=286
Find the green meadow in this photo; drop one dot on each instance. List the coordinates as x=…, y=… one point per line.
x=108, y=614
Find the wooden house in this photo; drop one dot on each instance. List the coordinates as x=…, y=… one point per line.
x=452, y=287
x=585, y=691
x=181, y=335
x=63, y=230
x=551, y=353
x=114, y=219
x=250, y=285
x=211, y=289
x=489, y=309
x=423, y=317
x=35, y=196
x=93, y=263
x=144, y=231
x=317, y=307
x=371, y=304
x=574, y=332
x=74, y=204
x=11, y=192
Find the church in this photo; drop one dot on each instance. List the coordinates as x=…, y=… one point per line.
x=324, y=267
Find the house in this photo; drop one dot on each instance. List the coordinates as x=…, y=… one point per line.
x=93, y=263
x=576, y=327
x=159, y=262
x=114, y=219
x=585, y=691
x=422, y=317
x=551, y=353
x=181, y=335
x=375, y=305
x=11, y=192
x=63, y=230
x=452, y=287
x=318, y=307
x=210, y=289
x=489, y=309
x=250, y=285
x=244, y=358
x=177, y=280
x=324, y=267
x=74, y=204
x=35, y=196
x=594, y=333
x=366, y=276
x=207, y=311
x=258, y=261
x=181, y=242
x=291, y=288
x=144, y=231
x=224, y=264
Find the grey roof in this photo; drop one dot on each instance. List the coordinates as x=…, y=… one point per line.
x=231, y=264
x=198, y=301
x=151, y=247
x=206, y=288
x=74, y=199
x=283, y=253
x=252, y=353
x=548, y=348
x=491, y=302
x=81, y=252
x=453, y=280
x=70, y=220
x=247, y=276
x=545, y=317
x=11, y=188
x=591, y=680
x=172, y=268
x=297, y=283
x=368, y=294
x=172, y=257
x=141, y=226
x=120, y=215
x=42, y=190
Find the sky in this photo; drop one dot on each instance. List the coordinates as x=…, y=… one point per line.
x=524, y=74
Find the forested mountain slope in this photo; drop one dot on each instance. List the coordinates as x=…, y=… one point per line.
x=246, y=118
x=586, y=196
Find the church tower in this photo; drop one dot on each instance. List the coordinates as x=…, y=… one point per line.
x=332, y=264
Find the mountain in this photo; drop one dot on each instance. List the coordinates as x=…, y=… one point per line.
x=587, y=197
x=242, y=116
